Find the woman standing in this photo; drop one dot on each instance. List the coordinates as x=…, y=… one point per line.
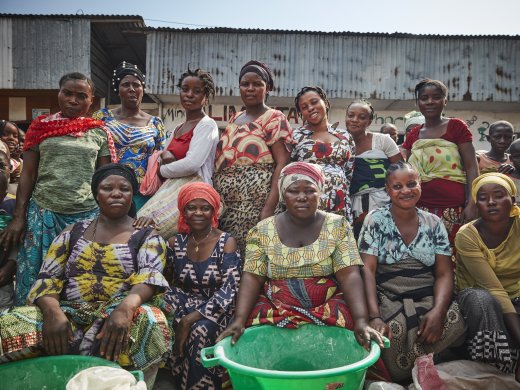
x=319, y=142
x=136, y=134
x=250, y=155
x=442, y=152
x=374, y=153
x=206, y=274
x=61, y=153
x=190, y=154
x=408, y=275
x=488, y=274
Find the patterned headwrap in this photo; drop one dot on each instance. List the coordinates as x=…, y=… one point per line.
x=197, y=190
x=260, y=69
x=300, y=171
x=413, y=118
x=125, y=69
x=496, y=178
x=119, y=170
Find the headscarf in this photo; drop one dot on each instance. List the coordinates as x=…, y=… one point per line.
x=260, y=69
x=413, y=118
x=300, y=171
x=197, y=190
x=119, y=170
x=500, y=179
x=125, y=69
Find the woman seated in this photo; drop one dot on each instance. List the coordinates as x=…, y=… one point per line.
x=206, y=273
x=408, y=275
x=488, y=273
x=307, y=264
x=91, y=292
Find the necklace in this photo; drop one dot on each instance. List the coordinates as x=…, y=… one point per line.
x=198, y=242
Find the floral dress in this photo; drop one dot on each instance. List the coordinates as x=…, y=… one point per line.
x=337, y=161
x=208, y=287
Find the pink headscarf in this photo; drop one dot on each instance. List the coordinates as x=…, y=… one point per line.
x=197, y=190
x=300, y=171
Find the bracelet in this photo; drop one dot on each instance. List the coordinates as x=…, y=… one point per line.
x=374, y=317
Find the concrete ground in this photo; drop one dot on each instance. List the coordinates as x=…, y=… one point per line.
x=164, y=380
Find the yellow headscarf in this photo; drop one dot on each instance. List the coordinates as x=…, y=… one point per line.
x=496, y=178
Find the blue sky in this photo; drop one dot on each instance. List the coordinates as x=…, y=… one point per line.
x=465, y=17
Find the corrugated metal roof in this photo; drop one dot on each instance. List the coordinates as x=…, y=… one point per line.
x=6, y=57
x=342, y=33
x=44, y=50
x=347, y=65
x=74, y=16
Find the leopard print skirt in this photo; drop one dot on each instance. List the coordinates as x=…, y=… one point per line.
x=244, y=190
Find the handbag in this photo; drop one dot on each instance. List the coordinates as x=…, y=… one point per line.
x=151, y=181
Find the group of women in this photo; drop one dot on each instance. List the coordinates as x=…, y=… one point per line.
x=243, y=236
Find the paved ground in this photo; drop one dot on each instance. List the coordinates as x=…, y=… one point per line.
x=164, y=381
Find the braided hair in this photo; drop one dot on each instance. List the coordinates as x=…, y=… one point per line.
x=316, y=89
x=205, y=77
x=398, y=166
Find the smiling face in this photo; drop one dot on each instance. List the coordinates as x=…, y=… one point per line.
x=301, y=199
x=404, y=188
x=198, y=214
x=253, y=89
x=192, y=94
x=493, y=202
x=114, y=196
x=312, y=107
x=431, y=101
x=75, y=98
x=10, y=137
x=358, y=118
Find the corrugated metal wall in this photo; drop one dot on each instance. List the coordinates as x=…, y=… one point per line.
x=375, y=66
x=43, y=50
x=6, y=53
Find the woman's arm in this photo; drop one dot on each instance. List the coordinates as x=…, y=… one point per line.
x=15, y=231
x=467, y=154
x=432, y=324
x=115, y=332
x=250, y=287
x=56, y=331
x=369, y=279
x=351, y=284
x=202, y=146
x=281, y=158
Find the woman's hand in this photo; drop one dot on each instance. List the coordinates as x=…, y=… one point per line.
x=235, y=330
x=365, y=333
x=142, y=222
x=182, y=331
x=167, y=157
x=115, y=333
x=56, y=332
x=505, y=168
x=431, y=327
x=13, y=234
x=379, y=325
x=267, y=211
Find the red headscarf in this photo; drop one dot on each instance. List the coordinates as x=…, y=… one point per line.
x=197, y=190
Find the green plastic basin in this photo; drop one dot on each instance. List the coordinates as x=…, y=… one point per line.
x=49, y=372
x=310, y=357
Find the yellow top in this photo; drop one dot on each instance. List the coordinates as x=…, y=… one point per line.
x=496, y=270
